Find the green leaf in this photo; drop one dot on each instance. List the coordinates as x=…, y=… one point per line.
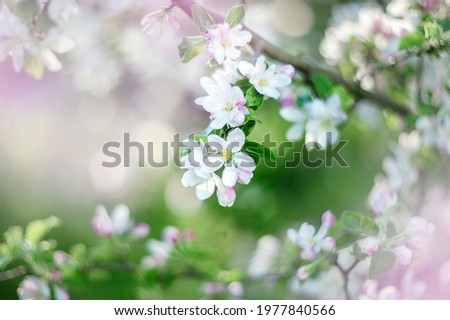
x=382, y=261
x=78, y=252
x=248, y=127
x=256, y=148
x=235, y=15
x=37, y=229
x=35, y=67
x=200, y=138
x=346, y=100
x=358, y=223
x=201, y=17
x=244, y=84
x=322, y=85
x=446, y=24
x=254, y=99
x=13, y=236
x=414, y=40
x=191, y=47
x=432, y=30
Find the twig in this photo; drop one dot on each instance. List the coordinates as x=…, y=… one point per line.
x=309, y=67
x=345, y=274
x=13, y=273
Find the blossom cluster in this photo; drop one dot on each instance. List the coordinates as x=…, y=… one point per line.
x=234, y=93
x=34, y=41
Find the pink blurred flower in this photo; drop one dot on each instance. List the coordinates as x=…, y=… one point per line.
x=403, y=255
x=302, y=274
x=371, y=291
x=369, y=245
x=310, y=241
x=33, y=288
x=154, y=21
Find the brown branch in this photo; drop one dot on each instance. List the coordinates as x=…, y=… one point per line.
x=309, y=67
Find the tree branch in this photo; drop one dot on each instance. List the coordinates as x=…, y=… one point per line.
x=345, y=274
x=309, y=67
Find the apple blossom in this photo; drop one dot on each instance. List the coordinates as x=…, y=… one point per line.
x=61, y=294
x=382, y=197
x=420, y=231
x=159, y=253
x=62, y=11
x=239, y=166
x=369, y=245
x=153, y=22
x=33, y=288
x=44, y=49
x=141, y=230
x=403, y=254
x=213, y=288
x=302, y=273
x=323, y=118
x=225, y=43
x=371, y=291
x=118, y=223
x=267, y=80
x=225, y=102
x=310, y=241
x=14, y=38
x=171, y=235
x=298, y=117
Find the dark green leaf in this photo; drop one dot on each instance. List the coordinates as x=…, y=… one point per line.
x=244, y=84
x=322, y=85
x=254, y=99
x=253, y=147
x=248, y=127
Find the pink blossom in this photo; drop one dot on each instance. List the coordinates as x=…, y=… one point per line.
x=141, y=230
x=225, y=42
x=369, y=245
x=267, y=80
x=33, y=288
x=403, y=254
x=371, y=291
x=213, y=288
x=420, y=231
x=225, y=102
x=310, y=241
x=302, y=274
x=153, y=22
x=287, y=70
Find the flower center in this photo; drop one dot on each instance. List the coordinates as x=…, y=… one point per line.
x=227, y=155
x=226, y=42
x=263, y=82
x=229, y=105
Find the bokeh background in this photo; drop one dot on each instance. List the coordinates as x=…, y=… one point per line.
x=120, y=80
